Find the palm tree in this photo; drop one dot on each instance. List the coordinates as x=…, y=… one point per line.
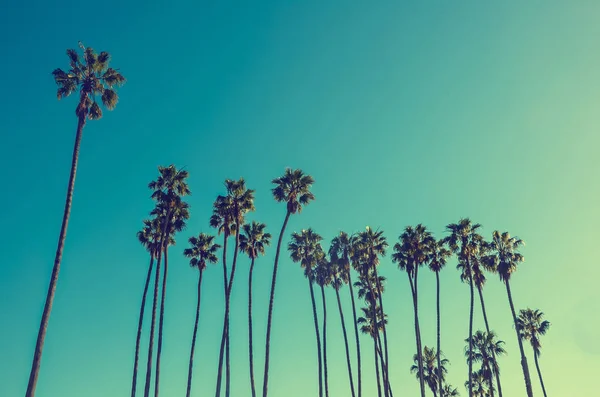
x=339, y=253
x=253, y=241
x=428, y=370
x=238, y=202
x=437, y=261
x=149, y=237
x=293, y=188
x=485, y=348
x=411, y=252
x=370, y=245
x=323, y=278
x=449, y=391
x=170, y=186
x=465, y=240
x=531, y=327
x=201, y=252
x=371, y=323
x=91, y=76
x=505, y=259
x=478, y=386
x=305, y=248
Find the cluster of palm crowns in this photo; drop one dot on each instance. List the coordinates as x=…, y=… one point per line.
x=361, y=252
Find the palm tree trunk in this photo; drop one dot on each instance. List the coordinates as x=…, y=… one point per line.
x=537, y=365
x=227, y=309
x=471, y=327
x=356, y=335
x=221, y=350
x=250, y=354
x=314, y=307
x=189, y=383
x=161, y=321
x=439, y=360
x=139, y=330
x=270, y=315
x=39, y=344
x=325, y=340
x=495, y=363
x=523, y=358
x=337, y=294
x=152, y=326
x=384, y=365
x=413, y=288
x=377, y=367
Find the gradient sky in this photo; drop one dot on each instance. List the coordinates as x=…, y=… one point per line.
x=403, y=114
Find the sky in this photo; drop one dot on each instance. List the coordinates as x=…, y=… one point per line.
x=403, y=113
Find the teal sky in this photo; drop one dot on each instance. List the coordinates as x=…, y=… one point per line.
x=403, y=114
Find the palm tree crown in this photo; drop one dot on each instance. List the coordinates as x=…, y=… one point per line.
x=532, y=326
x=293, y=188
x=254, y=239
x=202, y=251
x=505, y=257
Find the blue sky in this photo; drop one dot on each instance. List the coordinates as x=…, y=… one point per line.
x=403, y=113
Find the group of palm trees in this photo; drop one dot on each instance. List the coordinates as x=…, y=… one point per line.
x=352, y=260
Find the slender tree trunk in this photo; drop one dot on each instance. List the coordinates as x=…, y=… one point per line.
x=439, y=333
x=537, y=365
x=314, y=307
x=221, y=350
x=271, y=299
x=471, y=327
x=39, y=344
x=356, y=335
x=377, y=367
x=161, y=320
x=189, y=382
x=139, y=330
x=250, y=348
x=384, y=365
x=152, y=326
x=523, y=358
x=337, y=294
x=413, y=288
x=325, y=341
x=487, y=328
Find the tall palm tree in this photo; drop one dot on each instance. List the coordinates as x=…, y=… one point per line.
x=149, y=237
x=428, y=370
x=485, y=348
x=371, y=323
x=339, y=253
x=437, y=261
x=531, y=327
x=465, y=240
x=505, y=259
x=239, y=201
x=449, y=391
x=370, y=245
x=293, y=188
x=478, y=386
x=306, y=249
x=202, y=251
x=92, y=77
x=323, y=278
x=411, y=252
x=168, y=190
x=253, y=241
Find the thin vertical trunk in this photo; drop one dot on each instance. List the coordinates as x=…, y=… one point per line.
x=189, y=382
x=161, y=321
x=471, y=327
x=439, y=335
x=139, y=330
x=385, y=364
x=250, y=348
x=523, y=358
x=537, y=365
x=413, y=288
x=39, y=344
x=377, y=367
x=325, y=341
x=356, y=335
x=316, y=320
x=152, y=326
x=337, y=294
x=495, y=363
x=221, y=350
x=226, y=327
x=271, y=299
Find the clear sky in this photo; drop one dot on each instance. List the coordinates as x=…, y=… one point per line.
x=403, y=114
